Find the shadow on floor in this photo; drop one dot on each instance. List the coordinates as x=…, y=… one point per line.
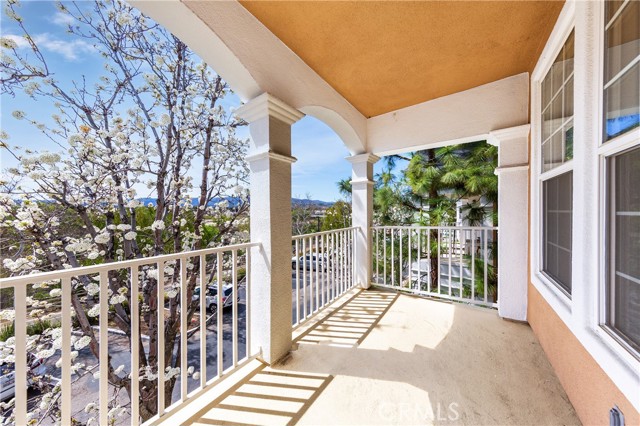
x=351, y=322
x=265, y=396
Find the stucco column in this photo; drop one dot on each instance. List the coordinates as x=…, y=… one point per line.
x=513, y=219
x=270, y=162
x=362, y=214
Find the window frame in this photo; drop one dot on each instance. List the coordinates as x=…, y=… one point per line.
x=607, y=149
x=579, y=315
x=558, y=42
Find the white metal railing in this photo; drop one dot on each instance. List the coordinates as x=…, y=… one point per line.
x=178, y=279
x=323, y=269
x=449, y=262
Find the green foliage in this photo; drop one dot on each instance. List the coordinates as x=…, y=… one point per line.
x=433, y=182
x=337, y=216
x=36, y=328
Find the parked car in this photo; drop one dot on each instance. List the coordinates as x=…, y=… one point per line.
x=8, y=376
x=211, y=300
x=310, y=262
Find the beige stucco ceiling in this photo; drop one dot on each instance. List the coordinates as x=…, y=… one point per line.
x=386, y=55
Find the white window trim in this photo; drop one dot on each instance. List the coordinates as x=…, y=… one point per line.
x=605, y=150
x=583, y=314
x=559, y=299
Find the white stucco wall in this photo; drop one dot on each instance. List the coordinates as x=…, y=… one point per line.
x=462, y=117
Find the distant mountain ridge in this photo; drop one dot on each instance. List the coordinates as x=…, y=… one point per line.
x=234, y=201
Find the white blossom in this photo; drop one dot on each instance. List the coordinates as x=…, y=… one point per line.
x=19, y=115
x=81, y=343
x=94, y=311
x=92, y=289
x=157, y=225
x=8, y=43
x=102, y=238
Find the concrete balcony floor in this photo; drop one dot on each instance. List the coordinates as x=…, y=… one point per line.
x=377, y=357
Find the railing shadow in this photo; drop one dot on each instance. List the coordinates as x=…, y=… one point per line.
x=351, y=322
x=265, y=396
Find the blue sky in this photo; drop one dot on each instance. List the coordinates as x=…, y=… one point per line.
x=320, y=152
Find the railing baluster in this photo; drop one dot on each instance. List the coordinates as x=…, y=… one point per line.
x=473, y=265
x=429, y=265
x=184, y=305
x=437, y=273
x=486, y=261
x=409, y=231
x=393, y=259
x=134, y=309
x=297, y=254
x=160, y=340
x=334, y=251
x=377, y=235
x=450, y=250
x=234, y=305
x=419, y=278
x=65, y=389
x=384, y=241
x=460, y=237
x=220, y=309
x=316, y=263
x=20, y=353
x=247, y=311
x=203, y=320
x=104, y=348
x=311, y=276
x=342, y=264
x=304, y=278
x=400, y=257
x=352, y=256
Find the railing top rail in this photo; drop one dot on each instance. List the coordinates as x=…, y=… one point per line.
x=92, y=269
x=476, y=228
x=299, y=237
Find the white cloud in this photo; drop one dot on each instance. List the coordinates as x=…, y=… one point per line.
x=70, y=50
x=62, y=19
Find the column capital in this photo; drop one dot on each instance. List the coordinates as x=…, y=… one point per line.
x=510, y=133
x=267, y=105
x=363, y=158
x=270, y=154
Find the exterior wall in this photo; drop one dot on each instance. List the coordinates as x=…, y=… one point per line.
x=596, y=372
x=590, y=390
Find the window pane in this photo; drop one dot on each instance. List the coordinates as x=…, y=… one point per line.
x=567, y=53
x=611, y=8
x=568, y=141
x=621, y=78
x=557, y=107
x=622, y=100
x=623, y=284
x=623, y=40
x=557, y=212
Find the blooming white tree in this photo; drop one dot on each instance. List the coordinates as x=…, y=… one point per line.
x=153, y=115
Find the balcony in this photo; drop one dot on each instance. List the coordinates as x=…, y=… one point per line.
x=419, y=346
x=379, y=357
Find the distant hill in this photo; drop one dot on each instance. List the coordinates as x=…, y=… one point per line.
x=233, y=201
x=305, y=202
